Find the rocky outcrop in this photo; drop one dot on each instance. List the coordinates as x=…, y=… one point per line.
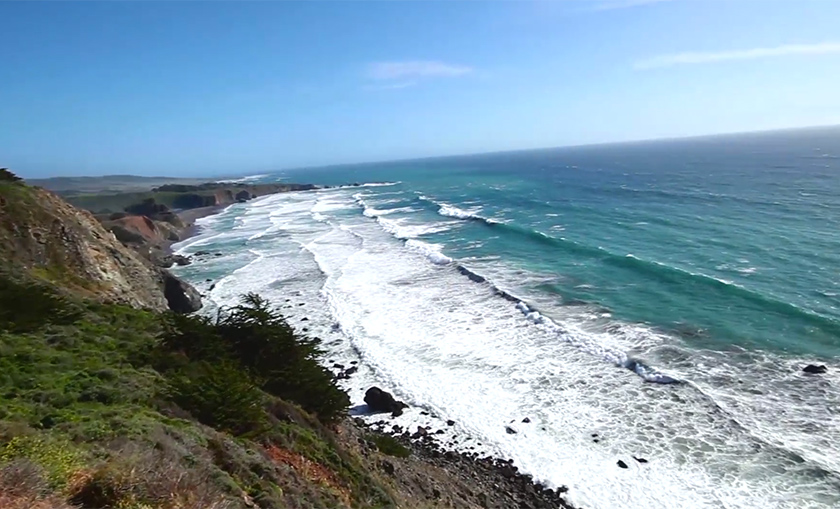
x=381, y=401
x=814, y=369
x=180, y=296
x=47, y=238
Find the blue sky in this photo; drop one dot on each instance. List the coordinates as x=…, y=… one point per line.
x=191, y=88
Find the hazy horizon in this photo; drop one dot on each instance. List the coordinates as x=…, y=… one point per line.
x=235, y=174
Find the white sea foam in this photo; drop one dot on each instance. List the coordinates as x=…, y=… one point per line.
x=453, y=347
x=430, y=251
x=372, y=212
x=249, y=178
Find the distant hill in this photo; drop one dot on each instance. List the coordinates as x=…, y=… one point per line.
x=107, y=183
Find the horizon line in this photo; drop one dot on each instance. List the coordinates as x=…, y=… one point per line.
x=468, y=154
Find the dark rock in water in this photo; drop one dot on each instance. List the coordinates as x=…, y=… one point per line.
x=304, y=319
x=640, y=460
x=382, y=401
x=218, y=254
x=180, y=295
x=202, y=253
x=814, y=369
x=424, y=413
x=450, y=422
x=351, y=370
x=337, y=365
x=510, y=431
x=595, y=440
x=354, y=362
x=181, y=260
x=211, y=287
x=594, y=435
x=526, y=420
x=621, y=464
x=208, y=280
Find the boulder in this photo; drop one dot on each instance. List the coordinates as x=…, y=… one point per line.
x=621, y=464
x=814, y=369
x=180, y=295
x=181, y=260
x=382, y=401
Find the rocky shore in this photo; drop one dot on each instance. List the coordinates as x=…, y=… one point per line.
x=430, y=475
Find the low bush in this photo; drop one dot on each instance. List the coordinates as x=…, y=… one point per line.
x=389, y=445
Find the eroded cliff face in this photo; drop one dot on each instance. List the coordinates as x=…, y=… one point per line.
x=43, y=236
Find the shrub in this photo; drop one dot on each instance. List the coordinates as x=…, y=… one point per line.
x=8, y=176
x=29, y=307
x=219, y=395
x=388, y=445
x=266, y=349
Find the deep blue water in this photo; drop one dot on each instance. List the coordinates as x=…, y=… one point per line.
x=731, y=240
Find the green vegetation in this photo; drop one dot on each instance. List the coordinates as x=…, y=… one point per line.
x=110, y=406
x=388, y=445
x=8, y=176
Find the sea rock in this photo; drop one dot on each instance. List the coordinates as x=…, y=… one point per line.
x=640, y=460
x=621, y=464
x=180, y=295
x=450, y=422
x=382, y=401
x=181, y=260
x=526, y=420
x=814, y=369
x=510, y=431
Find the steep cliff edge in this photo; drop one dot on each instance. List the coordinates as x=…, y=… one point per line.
x=43, y=236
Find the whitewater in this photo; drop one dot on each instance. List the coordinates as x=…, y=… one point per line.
x=650, y=302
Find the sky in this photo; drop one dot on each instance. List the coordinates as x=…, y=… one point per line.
x=217, y=88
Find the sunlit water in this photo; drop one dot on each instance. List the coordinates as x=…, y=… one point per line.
x=571, y=286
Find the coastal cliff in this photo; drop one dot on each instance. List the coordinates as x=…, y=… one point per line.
x=44, y=237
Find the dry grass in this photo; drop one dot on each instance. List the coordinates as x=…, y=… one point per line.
x=23, y=486
x=151, y=478
x=311, y=471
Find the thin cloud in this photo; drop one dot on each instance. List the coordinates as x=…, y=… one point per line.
x=391, y=86
x=689, y=58
x=414, y=70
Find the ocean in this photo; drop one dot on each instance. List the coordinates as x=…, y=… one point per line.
x=652, y=300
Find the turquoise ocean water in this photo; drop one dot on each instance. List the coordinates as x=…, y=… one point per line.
x=662, y=295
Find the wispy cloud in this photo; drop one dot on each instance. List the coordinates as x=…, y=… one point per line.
x=412, y=70
x=688, y=58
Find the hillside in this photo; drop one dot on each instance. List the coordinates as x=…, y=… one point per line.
x=107, y=184
x=179, y=196
x=43, y=237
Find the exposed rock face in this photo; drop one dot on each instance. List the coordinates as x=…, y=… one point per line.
x=181, y=297
x=44, y=236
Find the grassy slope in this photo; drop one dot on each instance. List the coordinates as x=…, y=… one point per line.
x=88, y=417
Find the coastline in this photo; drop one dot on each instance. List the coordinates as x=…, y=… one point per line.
x=189, y=217
x=433, y=474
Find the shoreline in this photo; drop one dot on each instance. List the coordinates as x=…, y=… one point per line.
x=433, y=473
x=189, y=217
